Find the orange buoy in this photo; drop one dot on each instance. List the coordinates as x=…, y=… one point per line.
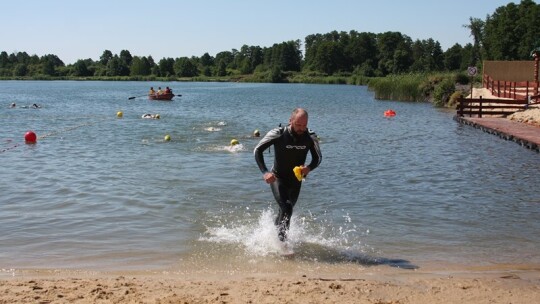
x=389, y=113
x=30, y=137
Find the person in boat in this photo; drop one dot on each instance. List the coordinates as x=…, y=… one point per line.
x=152, y=91
x=291, y=146
x=168, y=91
x=159, y=91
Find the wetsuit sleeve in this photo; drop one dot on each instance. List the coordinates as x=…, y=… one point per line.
x=315, y=150
x=264, y=144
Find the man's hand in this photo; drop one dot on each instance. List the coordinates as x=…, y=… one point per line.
x=269, y=177
x=305, y=171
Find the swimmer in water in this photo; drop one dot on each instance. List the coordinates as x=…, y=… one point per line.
x=151, y=116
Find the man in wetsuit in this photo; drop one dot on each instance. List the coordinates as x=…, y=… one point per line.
x=291, y=145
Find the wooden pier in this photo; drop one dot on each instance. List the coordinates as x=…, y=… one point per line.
x=521, y=133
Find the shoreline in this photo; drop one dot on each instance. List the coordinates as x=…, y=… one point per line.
x=373, y=284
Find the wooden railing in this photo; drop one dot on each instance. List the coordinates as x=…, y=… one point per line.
x=509, y=89
x=478, y=107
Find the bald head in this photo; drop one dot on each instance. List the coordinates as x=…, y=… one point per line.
x=299, y=121
x=299, y=112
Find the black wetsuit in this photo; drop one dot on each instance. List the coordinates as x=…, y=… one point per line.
x=290, y=151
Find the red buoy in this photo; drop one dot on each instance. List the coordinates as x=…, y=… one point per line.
x=389, y=113
x=30, y=137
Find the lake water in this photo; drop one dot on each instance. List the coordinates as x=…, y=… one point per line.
x=105, y=193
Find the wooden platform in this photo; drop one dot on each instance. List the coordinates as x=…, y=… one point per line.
x=521, y=133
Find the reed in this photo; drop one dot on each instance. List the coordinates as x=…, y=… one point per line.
x=399, y=87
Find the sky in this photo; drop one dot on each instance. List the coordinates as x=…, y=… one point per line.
x=81, y=29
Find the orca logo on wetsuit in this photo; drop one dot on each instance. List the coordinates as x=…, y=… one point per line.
x=295, y=147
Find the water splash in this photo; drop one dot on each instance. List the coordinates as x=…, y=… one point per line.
x=212, y=129
x=310, y=237
x=235, y=148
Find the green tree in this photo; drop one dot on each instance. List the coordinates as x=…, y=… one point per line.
x=117, y=67
x=221, y=68
x=327, y=57
x=185, y=67
x=276, y=75
x=476, y=27
x=361, y=50
x=511, y=32
x=126, y=57
x=207, y=60
x=311, y=43
x=49, y=63
x=453, y=58
x=529, y=27
x=140, y=66
x=4, y=60
x=20, y=69
x=166, y=67
x=394, y=53
x=326, y=53
x=113, y=66
x=467, y=54
x=105, y=57
x=427, y=56
x=80, y=68
x=225, y=57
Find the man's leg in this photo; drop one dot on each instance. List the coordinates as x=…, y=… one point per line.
x=286, y=196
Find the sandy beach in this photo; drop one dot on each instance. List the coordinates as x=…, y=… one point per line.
x=380, y=284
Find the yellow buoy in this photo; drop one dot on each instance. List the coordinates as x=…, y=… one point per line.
x=256, y=133
x=167, y=137
x=234, y=142
x=119, y=114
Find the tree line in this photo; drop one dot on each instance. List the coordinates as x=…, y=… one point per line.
x=510, y=33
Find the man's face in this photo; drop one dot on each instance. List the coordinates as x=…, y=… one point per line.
x=299, y=124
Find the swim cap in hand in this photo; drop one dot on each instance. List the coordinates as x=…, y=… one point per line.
x=298, y=173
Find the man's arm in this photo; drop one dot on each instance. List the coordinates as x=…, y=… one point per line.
x=264, y=144
x=315, y=150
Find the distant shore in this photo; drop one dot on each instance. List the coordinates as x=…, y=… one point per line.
x=379, y=284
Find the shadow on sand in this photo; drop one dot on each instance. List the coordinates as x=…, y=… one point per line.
x=307, y=251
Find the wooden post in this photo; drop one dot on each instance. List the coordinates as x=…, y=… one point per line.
x=460, y=110
x=535, y=55
x=480, y=108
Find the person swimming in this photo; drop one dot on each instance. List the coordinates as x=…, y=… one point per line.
x=33, y=106
x=151, y=116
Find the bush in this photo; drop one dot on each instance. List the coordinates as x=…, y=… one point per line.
x=452, y=102
x=443, y=91
x=461, y=78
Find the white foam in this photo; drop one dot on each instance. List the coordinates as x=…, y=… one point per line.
x=235, y=148
x=259, y=237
